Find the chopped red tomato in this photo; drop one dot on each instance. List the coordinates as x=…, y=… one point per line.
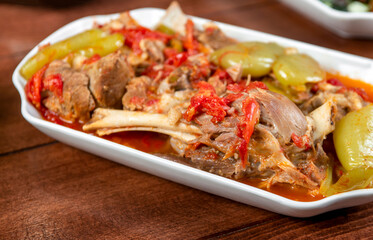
x=133, y=36
x=301, y=141
x=54, y=84
x=223, y=76
x=138, y=101
x=34, y=87
x=208, y=102
x=335, y=82
x=161, y=73
x=232, y=97
x=38, y=83
x=174, y=58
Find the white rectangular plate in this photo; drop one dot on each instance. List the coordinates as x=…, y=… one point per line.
x=345, y=24
x=353, y=66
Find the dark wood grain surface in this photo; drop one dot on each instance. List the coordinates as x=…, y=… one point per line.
x=49, y=190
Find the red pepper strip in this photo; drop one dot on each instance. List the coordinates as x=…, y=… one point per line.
x=34, y=87
x=251, y=111
x=206, y=101
x=190, y=43
x=301, y=141
x=92, y=59
x=54, y=84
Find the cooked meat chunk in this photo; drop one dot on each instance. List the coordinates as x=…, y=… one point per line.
x=345, y=101
x=77, y=101
x=210, y=160
x=179, y=78
x=215, y=38
x=124, y=20
x=108, y=79
x=136, y=96
x=276, y=110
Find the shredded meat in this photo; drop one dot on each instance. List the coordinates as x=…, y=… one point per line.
x=346, y=101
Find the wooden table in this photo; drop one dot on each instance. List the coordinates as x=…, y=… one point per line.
x=49, y=190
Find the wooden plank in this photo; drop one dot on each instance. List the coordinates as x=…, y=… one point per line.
x=350, y=223
x=29, y=26
x=60, y=192
x=15, y=132
x=276, y=18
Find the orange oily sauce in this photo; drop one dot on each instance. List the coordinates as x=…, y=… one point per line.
x=348, y=82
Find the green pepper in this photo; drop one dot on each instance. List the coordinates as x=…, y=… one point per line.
x=357, y=178
x=176, y=44
x=164, y=29
x=59, y=50
x=272, y=87
x=327, y=182
x=256, y=58
x=103, y=46
x=297, y=70
x=353, y=139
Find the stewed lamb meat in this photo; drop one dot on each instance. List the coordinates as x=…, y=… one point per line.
x=76, y=100
x=108, y=79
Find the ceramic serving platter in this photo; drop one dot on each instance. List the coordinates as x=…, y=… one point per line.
x=344, y=24
x=346, y=64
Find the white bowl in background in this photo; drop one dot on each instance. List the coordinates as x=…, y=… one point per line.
x=345, y=24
